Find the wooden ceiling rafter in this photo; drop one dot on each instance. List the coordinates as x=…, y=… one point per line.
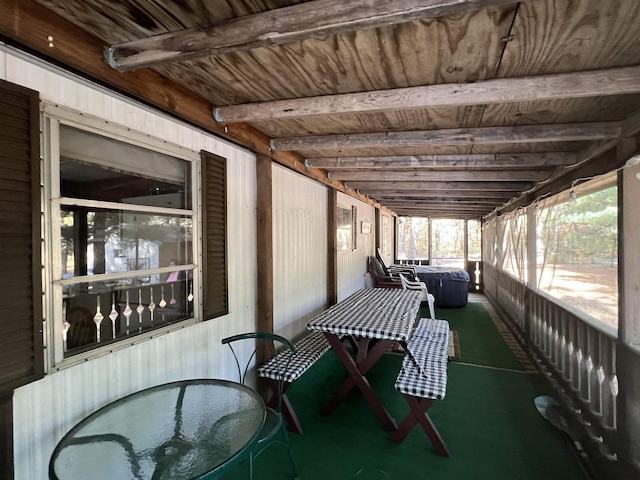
x=431, y=185
x=615, y=81
x=453, y=205
x=464, y=195
x=295, y=23
x=488, y=160
x=514, y=134
x=442, y=175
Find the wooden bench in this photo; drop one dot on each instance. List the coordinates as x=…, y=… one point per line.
x=423, y=379
x=310, y=348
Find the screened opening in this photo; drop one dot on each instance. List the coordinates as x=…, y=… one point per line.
x=577, y=248
x=447, y=242
x=413, y=238
x=474, y=239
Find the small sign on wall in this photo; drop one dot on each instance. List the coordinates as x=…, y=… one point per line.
x=365, y=226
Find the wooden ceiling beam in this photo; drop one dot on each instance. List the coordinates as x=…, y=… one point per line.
x=614, y=81
x=418, y=195
x=453, y=205
x=314, y=19
x=568, y=132
x=445, y=161
x=442, y=175
x=452, y=208
x=439, y=201
x=443, y=213
x=430, y=186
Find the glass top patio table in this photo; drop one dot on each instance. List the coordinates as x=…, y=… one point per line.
x=181, y=430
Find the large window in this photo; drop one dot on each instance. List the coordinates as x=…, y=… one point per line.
x=577, y=255
x=122, y=231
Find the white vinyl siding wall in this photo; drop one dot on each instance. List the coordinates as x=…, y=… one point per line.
x=47, y=409
x=352, y=265
x=299, y=250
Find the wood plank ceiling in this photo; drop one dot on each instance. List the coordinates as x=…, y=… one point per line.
x=429, y=107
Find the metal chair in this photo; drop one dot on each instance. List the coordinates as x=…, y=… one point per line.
x=430, y=299
x=274, y=429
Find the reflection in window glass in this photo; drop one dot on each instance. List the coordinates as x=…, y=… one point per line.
x=413, y=238
x=102, y=312
x=577, y=248
x=94, y=167
x=98, y=241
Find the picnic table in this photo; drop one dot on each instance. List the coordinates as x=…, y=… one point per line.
x=375, y=318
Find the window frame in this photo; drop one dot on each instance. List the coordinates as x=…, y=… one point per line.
x=52, y=117
x=353, y=226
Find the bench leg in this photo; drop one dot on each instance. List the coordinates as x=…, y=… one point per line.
x=418, y=414
x=287, y=409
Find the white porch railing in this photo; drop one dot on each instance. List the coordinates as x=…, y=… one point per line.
x=580, y=357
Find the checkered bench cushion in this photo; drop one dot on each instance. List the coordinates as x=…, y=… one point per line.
x=424, y=367
x=428, y=380
x=428, y=327
x=430, y=331
x=310, y=348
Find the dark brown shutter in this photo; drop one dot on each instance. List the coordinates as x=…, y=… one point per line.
x=214, y=235
x=21, y=349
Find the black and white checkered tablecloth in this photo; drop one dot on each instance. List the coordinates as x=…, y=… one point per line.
x=381, y=313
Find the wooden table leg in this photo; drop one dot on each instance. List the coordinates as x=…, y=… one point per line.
x=357, y=372
x=418, y=414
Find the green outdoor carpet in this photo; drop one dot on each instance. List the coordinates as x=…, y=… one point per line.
x=487, y=420
x=480, y=341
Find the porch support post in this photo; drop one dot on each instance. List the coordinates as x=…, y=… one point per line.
x=532, y=266
x=465, y=248
x=429, y=232
x=264, y=255
x=628, y=351
x=332, y=248
x=378, y=230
